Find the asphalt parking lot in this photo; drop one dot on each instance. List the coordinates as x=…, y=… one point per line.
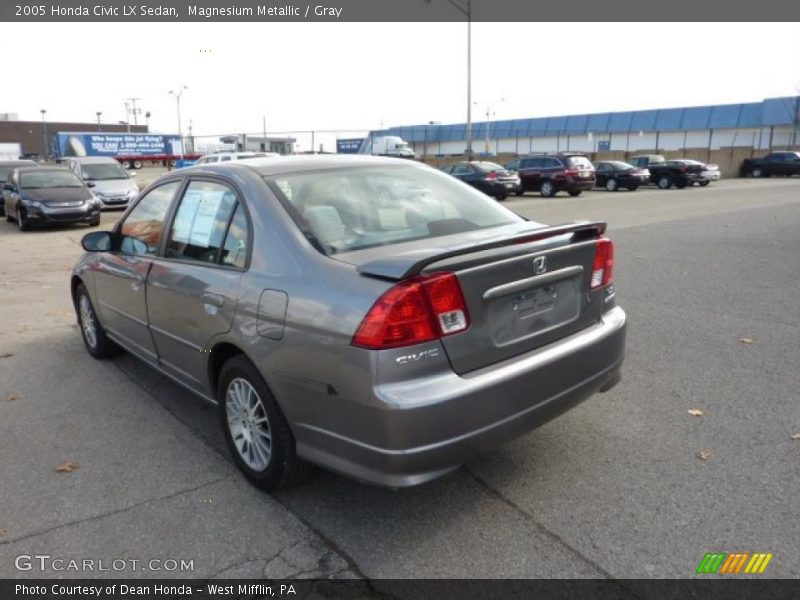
x=614, y=488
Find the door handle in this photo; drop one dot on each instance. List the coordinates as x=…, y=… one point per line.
x=213, y=299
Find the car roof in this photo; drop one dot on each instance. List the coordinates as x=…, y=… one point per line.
x=43, y=168
x=269, y=166
x=18, y=163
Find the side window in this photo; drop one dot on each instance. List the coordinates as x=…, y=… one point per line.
x=601, y=167
x=513, y=165
x=550, y=163
x=462, y=170
x=224, y=158
x=237, y=240
x=201, y=221
x=142, y=229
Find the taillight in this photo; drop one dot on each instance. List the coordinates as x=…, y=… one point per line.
x=492, y=175
x=570, y=173
x=414, y=311
x=603, y=266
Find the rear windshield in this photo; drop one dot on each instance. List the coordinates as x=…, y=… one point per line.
x=578, y=162
x=488, y=167
x=618, y=164
x=341, y=210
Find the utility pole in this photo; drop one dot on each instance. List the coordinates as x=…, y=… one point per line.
x=469, y=80
x=98, y=113
x=178, y=95
x=134, y=110
x=264, y=130
x=44, y=127
x=128, y=115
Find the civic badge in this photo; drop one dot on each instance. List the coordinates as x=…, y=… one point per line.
x=539, y=265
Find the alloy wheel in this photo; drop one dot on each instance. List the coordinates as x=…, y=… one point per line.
x=88, y=325
x=248, y=424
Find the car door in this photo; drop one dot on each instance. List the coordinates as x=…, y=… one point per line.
x=120, y=276
x=792, y=164
x=530, y=173
x=192, y=289
x=602, y=172
x=10, y=193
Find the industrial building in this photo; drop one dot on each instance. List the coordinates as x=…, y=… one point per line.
x=31, y=135
x=771, y=123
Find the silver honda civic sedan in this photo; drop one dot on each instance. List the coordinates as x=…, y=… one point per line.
x=373, y=316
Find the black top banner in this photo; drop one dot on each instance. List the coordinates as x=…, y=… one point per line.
x=399, y=11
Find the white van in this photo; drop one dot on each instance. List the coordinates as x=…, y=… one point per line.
x=107, y=179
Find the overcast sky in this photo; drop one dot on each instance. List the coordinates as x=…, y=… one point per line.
x=361, y=75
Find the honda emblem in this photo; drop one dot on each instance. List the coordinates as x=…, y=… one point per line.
x=539, y=265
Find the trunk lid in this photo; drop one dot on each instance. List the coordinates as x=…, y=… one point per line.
x=523, y=289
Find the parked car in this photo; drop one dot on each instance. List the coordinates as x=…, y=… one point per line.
x=709, y=172
x=488, y=177
x=6, y=166
x=666, y=173
x=550, y=174
x=228, y=156
x=774, y=163
x=614, y=174
x=388, y=337
x=114, y=186
x=48, y=195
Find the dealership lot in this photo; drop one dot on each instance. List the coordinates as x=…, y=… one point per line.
x=612, y=489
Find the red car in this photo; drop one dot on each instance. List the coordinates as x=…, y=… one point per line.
x=553, y=173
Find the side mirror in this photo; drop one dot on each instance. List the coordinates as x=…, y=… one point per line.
x=97, y=241
x=90, y=184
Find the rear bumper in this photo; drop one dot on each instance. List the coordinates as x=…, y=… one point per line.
x=431, y=426
x=576, y=185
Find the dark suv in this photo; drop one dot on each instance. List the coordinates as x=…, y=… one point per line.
x=553, y=173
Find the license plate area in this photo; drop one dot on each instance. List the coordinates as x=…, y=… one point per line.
x=535, y=311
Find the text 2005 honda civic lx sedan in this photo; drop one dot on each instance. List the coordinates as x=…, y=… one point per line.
x=370, y=315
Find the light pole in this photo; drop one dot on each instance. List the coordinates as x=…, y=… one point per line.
x=44, y=127
x=147, y=121
x=465, y=6
x=178, y=95
x=99, y=114
x=489, y=108
x=127, y=116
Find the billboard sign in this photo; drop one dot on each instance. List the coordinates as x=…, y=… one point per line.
x=348, y=146
x=116, y=144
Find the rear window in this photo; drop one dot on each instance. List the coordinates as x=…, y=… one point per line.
x=579, y=162
x=341, y=210
x=488, y=167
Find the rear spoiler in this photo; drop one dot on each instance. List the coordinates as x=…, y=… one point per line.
x=412, y=263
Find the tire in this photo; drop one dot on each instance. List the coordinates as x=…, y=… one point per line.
x=704, y=183
x=757, y=172
x=664, y=182
x=22, y=223
x=243, y=395
x=137, y=164
x=94, y=222
x=126, y=164
x=547, y=189
x=682, y=184
x=611, y=184
x=633, y=188
x=501, y=195
x=94, y=336
x=519, y=192
x=575, y=193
